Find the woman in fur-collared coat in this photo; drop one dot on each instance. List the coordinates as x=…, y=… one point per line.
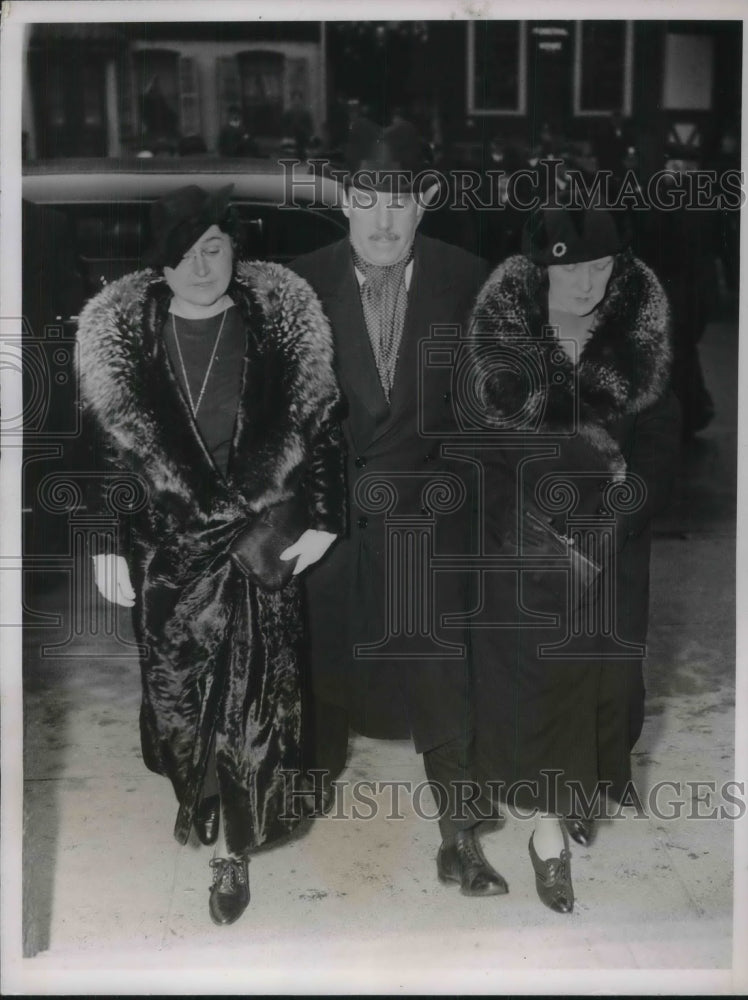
x=571, y=354
x=213, y=381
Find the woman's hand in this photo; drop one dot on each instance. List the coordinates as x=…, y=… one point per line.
x=309, y=548
x=112, y=579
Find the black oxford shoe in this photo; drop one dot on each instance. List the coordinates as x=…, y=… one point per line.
x=553, y=880
x=229, y=894
x=463, y=861
x=207, y=818
x=580, y=830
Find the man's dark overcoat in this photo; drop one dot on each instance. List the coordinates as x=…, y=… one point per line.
x=395, y=695
x=607, y=419
x=224, y=657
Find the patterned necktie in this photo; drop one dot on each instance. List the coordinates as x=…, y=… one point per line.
x=384, y=299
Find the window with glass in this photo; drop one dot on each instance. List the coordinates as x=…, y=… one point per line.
x=168, y=99
x=261, y=83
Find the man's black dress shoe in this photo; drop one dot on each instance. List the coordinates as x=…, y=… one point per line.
x=229, y=894
x=553, y=880
x=207, y=818
x=463, y=861
x=580, y=830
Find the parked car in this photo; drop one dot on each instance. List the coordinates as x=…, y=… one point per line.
x=107, y=206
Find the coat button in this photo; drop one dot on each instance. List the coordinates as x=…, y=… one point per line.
x=360, y=462
x=425, y=511
x=362, y=522
x=428, y=457
x=447, y=397
x=601, y=510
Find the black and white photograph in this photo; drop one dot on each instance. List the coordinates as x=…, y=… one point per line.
x=371, y=583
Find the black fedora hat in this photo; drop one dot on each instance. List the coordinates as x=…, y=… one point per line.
x=180, y=218
x=392, y=158
x=571, y=235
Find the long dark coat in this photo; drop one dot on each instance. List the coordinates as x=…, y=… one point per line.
x=224, y=657
x=395, y=694
x=580, y=709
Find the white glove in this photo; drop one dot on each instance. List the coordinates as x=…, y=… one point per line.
x=309, y=548
x=112, y=579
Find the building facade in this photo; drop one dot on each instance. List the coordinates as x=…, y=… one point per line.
x=468, y=82
x=110, y=90
x=113, y=90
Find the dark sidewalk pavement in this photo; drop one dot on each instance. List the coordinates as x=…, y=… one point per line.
x=354, y=904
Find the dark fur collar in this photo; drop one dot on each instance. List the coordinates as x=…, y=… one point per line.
x=623, y=369
x=288, y=386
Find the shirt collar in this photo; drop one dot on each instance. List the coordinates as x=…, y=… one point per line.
x=408, y=276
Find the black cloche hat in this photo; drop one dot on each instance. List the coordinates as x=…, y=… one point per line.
x=180, y=218
x=570, y=235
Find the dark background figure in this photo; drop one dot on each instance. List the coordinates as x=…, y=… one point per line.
x=727, y=223
x=678, y=244
x=547, y=144
x=297, y=124
x=511, y=218
x=612, y=145
x=335, y=131
x=234, y=138
x=397, y=115
x=160, y=119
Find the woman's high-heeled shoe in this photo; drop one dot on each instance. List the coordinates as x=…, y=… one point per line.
x=553, y=880
x=580, y=830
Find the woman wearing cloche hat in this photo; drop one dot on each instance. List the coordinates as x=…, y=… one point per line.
x=211, y=378
x=571, y=362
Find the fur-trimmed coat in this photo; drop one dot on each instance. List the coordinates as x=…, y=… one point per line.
x=600, y=423
x=224, y=657
x=610, y=415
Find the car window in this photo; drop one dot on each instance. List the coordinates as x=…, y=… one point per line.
x=280, y=234
x=112, y=239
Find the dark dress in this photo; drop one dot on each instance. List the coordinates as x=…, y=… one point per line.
x=216, y=415
x=562, y=721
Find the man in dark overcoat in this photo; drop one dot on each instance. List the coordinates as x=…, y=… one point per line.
x=382, y=658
